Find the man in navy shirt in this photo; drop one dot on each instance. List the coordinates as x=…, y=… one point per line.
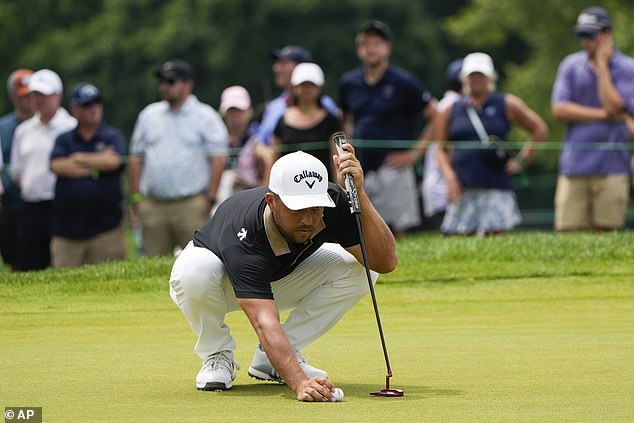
x=87, y=213
x=290, y=246
x=382, y=105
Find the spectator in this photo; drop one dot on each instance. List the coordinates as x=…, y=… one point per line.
x=306, y=124
x=243, y=169
x=30, y=168
x=480, y=193
x=290, y=246
x=384, y=103
x=434, y=186
x=87, y=213
x=592, y=90
x=178, y=152
x=285, y=61
x=18, y=90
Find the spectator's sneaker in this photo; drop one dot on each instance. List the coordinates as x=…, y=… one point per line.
x=262, y=369
x=217, y=373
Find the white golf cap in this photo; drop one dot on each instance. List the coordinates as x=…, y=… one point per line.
x=301, y=181
x=477, y=62
x=235, y=96
x=308, y=72
x=46, y=82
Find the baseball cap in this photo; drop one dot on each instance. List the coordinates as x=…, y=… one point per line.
x=18, y=81
x=376, y=27
x=85, y=93
x=307, y=72
x=593, y=19
x=301, y=181
x=175, y=69
x=295, y=53
x=235, y=96
x=477, y=62
x=46, y=82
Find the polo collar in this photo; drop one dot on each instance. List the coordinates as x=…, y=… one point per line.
x=278, y=243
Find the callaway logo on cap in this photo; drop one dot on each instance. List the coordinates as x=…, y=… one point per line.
x=301, y=181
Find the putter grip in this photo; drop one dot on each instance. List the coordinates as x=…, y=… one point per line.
x=339, y=138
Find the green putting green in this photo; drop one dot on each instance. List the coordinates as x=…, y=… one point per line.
x=522, y=327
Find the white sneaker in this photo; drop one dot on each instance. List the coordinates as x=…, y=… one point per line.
x=262, y=369
x=217, y=373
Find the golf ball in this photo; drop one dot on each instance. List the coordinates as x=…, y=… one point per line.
x=338, y=394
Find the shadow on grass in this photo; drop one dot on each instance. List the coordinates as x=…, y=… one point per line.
x=352, y=390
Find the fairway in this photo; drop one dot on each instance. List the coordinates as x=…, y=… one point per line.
x=523, y=327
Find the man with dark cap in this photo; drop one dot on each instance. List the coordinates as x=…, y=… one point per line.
x=284, y=62
x=592, y=92
x=384, y=104
x=18, y=90
x=87, y=212
x=177, y=155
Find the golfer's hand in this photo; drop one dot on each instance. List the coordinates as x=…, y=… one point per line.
x=316, y=389
x=347, y=162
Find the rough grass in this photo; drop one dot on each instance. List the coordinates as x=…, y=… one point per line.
x=523, y=327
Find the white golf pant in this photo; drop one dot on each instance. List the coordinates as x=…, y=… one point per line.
x=319, y=292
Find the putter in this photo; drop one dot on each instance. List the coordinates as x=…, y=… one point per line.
x=339, y=138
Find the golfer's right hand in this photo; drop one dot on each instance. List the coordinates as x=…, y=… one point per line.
x=317, y=389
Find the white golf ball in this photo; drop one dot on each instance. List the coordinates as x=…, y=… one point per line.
x=338, y=394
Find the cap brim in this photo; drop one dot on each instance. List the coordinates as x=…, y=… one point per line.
x=299, y=202
x=42, y=89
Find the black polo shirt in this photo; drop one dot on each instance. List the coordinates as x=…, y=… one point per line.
x=244, y=236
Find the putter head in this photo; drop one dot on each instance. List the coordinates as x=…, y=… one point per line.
x=388, y=393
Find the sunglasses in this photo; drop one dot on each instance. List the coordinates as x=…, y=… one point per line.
x=586, y=35
x=167, y=81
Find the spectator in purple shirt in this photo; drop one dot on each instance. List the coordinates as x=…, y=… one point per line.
x=592, y=93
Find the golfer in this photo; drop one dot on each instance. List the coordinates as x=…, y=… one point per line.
x=291, y=246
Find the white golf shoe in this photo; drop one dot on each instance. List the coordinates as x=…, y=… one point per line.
x=262, y=369
x=217, y=373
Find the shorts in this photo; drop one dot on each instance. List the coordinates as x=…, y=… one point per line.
x=584, y=202
x=394, y=195
x=481, y=211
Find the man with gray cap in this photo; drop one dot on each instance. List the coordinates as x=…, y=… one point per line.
x=18, y=90
x=30, y=168
x=593, y=89
x=290, y=246
x=87, y=206
x=177, y=156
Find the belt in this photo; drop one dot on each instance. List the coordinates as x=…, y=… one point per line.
x=174, y=199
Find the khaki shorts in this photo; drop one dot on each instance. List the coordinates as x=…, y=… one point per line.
x=584, y=202
x=105, y=246
x=171, y=224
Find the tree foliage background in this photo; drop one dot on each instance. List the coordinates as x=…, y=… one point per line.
x=118, y=44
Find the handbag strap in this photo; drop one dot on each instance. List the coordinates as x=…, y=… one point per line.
x=477, y=125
